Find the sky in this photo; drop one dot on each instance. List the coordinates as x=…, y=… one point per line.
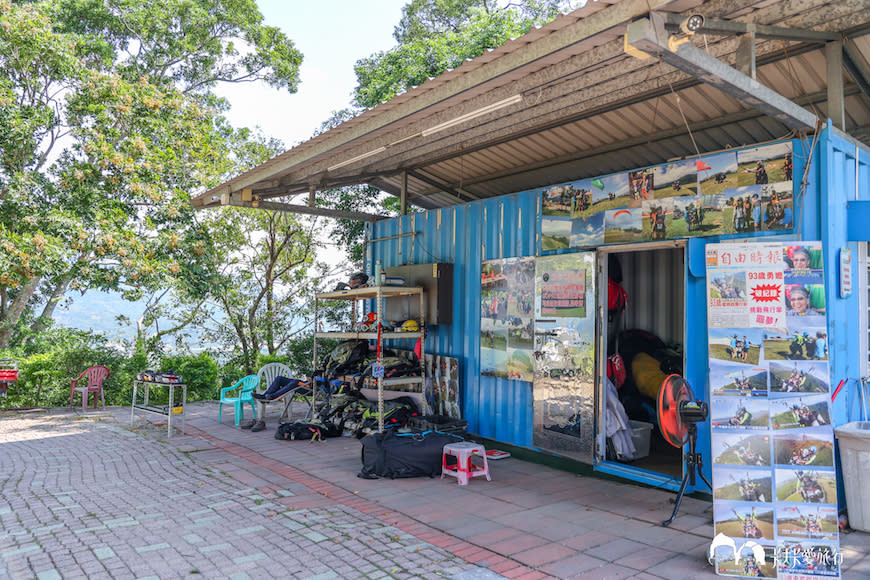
x=332, y=36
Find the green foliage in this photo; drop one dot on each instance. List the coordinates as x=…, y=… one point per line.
x=271, y=358
x=48, y=363
x=107, y=123
x=437, y=35
x=200, y=373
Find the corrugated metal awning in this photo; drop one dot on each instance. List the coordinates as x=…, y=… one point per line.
x=566, y=102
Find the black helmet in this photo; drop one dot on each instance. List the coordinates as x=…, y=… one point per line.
x=358, y=280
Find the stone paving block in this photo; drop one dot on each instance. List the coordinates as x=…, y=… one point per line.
x=103, y=553
x=152, y=548
x=250, y=558
x=376, y=536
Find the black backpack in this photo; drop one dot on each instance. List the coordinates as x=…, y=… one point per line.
x=301, y=430
x=346, y=358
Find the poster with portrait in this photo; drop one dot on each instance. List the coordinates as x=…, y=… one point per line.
x=774, y=475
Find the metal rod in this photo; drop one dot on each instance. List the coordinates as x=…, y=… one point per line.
x=397, y=236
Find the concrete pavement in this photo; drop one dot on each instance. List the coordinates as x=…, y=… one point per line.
x=93, y=497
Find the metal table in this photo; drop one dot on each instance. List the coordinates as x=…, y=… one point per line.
x=170, y=411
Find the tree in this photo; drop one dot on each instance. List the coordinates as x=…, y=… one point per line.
x=267, y=282
x=436, y=35
x=107, y=123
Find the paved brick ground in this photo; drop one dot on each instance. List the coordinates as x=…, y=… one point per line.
x=91, y=497
x=88, y=498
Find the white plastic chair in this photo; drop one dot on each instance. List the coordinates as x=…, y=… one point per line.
x=267, y=374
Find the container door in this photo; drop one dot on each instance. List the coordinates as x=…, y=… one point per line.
x=650, y=336
x=564, y=382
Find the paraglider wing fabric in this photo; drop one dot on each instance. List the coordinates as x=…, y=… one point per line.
x=647, y=374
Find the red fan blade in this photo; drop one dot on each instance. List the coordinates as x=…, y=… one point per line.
x=674, y=390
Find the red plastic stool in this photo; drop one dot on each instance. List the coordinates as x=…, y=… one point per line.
x=464, y=468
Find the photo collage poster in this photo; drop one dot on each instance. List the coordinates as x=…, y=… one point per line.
x=441, y=386
x=733, y=192
x=507, y=308
x=774, y=476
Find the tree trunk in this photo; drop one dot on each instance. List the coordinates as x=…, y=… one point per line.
x=13, y=314
x=48, y=312
x=270, y=321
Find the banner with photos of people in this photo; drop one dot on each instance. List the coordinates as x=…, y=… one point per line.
x=774, y=476
x=507, y=309
x=734, y=192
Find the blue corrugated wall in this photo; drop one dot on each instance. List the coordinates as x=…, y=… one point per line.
x=466, y=235
x=506, y=227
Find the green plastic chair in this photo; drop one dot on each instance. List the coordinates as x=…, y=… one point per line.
x=246, y=388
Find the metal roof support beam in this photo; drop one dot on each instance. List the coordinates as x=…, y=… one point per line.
x=403, y=196
x=648, y=35
x=713, y=26
x=834, y=66
x=235, y=201
x=434, y=183
x=856, y=67
x=746, y=55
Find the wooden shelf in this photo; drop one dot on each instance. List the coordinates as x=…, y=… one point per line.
x=370, y=292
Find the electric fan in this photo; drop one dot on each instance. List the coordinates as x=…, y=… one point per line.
x=678, y=413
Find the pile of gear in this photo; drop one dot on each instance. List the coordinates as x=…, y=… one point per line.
x=348, y=368
x=165, y=377
x=358, y=280
x=370, y=324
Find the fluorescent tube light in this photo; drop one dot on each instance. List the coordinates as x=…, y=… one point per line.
x=474, y=114
x=437, y=128
x=357, y=158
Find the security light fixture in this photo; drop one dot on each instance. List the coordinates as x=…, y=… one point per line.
x=692, y=23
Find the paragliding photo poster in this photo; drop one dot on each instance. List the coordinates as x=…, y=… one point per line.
x=774, y=476
x=493, y=319
x=564, y=385
x=734, y=192
x=520, y=274
x=507, y=305
x=561, y=286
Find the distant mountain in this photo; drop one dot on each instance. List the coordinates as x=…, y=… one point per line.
x=98, y=311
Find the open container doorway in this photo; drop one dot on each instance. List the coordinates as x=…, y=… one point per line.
x=649, y=334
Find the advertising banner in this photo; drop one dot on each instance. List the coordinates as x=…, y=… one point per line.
x=744, y=191
x=774, y=478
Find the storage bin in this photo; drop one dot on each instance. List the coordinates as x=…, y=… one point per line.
x=854, y=440
x=640, y=436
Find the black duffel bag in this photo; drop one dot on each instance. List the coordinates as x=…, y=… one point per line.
x=391, y=454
